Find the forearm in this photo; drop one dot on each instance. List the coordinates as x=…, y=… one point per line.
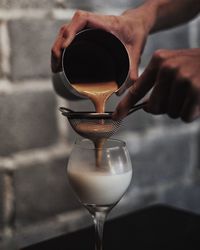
x=164, y=14
x=170, y=13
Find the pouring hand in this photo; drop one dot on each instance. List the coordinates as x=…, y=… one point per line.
x=175, y=76
x=131, y=31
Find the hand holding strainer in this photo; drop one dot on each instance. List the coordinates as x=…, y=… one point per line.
x=93, y=125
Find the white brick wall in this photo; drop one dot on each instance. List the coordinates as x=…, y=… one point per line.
x=35, y=140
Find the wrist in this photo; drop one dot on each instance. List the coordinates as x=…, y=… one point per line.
x=148, y=13
x=145, y=14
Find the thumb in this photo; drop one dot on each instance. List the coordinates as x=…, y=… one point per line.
x=144, y=83
x=134, y=59
x=135, y=50
x=123, y=107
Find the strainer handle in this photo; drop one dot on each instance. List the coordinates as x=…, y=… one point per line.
x=63, y=109
x=136, y=107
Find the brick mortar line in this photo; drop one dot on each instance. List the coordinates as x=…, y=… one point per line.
x=193, y=32
x=63, y=149
x=6, y=86
x=14, y=14
x=191, y=172
x=9, y=204
x=25, y=158
x=157, y=189
x=54, y=13
x=155, y=133
x=62, y=122
x=62, y=223
x=4, y=48
x=9, y=88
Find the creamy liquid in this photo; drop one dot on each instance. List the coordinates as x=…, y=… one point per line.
x=97, y=187
x=98, y=93
x=94, y=130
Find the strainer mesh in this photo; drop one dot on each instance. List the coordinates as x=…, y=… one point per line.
x=95, y=128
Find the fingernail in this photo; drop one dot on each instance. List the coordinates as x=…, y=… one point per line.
x=116, y=116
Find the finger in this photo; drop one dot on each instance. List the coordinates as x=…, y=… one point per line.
x=56, y=65
x=157, y=102
x=68, y=32
x=78, y=22
x=57, y=49
x=135, y=53
x=134, y=58
x=66, y=35
x=85, y=19
x=136, y=92
x=177, y=98
x=191, y=107
x=159, y=98
x=123, y=107
x=56, y=55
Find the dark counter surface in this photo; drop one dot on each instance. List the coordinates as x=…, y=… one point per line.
x=156, y=227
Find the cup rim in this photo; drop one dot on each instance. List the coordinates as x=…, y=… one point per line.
x=121, y=144
x=121, y=87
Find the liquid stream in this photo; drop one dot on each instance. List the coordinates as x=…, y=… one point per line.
x=98, y=93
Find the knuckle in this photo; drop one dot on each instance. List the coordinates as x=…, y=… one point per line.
x=196, y=86
x=191, y=114
x=53, y=51
x=183, y=75
x=134, y=91
x=115, y=22
x=133, y=76
x=185, y=79
x=168, y=66
x=152, y=109
x=159, y=56
x=187, y=118
x=66, y=32
x=152, y=106
x=79, y=14
x=195, y=91
x=172, y=114
x=62, y=28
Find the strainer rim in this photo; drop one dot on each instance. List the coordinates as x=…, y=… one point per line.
x=87, y=115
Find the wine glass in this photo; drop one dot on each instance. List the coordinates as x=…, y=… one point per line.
x=99, y=176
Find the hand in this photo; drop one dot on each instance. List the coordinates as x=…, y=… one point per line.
x=175, y=76
x=131, y=28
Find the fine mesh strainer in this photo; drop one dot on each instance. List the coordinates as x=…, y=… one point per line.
x=93, y=125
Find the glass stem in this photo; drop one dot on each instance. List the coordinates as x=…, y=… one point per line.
x=99, y=220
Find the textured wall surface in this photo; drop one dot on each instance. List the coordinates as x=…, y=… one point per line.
x=36, y=201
